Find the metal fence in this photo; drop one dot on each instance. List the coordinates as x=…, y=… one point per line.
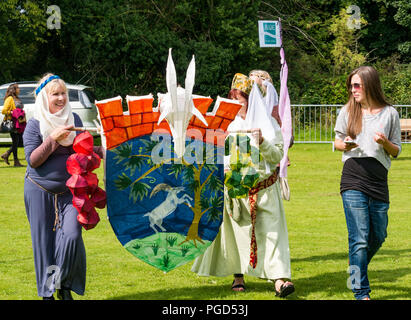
x=314, y=123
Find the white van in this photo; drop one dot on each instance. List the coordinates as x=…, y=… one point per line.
x=81, y=100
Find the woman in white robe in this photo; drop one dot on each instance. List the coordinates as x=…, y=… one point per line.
x=232, y=251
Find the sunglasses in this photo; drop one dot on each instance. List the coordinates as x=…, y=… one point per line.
x=356, y=86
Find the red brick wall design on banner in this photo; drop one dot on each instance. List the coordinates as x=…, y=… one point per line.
x=142, y=119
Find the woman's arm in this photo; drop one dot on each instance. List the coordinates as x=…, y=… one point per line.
x=36, y=150
x=272, y=153
x=8, y=106
x=42, y=152
x=342, y=145
x=391, y=148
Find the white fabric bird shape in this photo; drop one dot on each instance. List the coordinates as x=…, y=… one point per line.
x=176, y=106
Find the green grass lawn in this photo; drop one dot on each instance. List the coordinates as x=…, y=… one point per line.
x=317, y=233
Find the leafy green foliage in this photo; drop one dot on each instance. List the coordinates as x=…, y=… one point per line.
x=23, y=31
x=215, y=183
x=123, y=182
x=214, y=213
x=139, y=190
x=244, y=158
x=184, y=249
x=171, y=240
x=154, y=247
x=119, y=47
x=123, y=152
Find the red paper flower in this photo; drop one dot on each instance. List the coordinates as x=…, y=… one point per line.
x=89, y=220
x=83, y=143
x=83, y=203
x=77, y=181
x=78, y=163
x=99, y=198
x=94, y=162
x=83, y=184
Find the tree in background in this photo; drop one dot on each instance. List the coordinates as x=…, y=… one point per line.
x=120, y=47
x=22, y=30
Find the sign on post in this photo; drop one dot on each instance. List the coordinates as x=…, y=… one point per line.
x=269, y=33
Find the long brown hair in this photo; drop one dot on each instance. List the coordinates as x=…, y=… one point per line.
x=371, y=86
x=12, y=91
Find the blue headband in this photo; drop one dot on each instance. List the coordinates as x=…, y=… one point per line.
x=45, y=83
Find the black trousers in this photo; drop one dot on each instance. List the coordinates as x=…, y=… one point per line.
x=17, y=139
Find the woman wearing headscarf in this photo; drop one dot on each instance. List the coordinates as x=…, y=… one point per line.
x=253, y=237
x=265, y=83
x=59, y=253
x=270, y=97
x=13, y=104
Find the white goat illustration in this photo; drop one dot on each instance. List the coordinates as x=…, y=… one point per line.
x=168, y=206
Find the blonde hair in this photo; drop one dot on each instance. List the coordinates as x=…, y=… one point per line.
x=50, y=87
x=261, y=74
x=264, y=75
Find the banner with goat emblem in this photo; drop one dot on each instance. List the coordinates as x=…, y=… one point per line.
x=164, y=171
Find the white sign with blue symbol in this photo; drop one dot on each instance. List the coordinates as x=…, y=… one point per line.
x=269, y=33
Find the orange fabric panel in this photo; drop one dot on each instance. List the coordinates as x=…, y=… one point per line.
x=213, y=122
x=216, y=137
x=122, y=122
x=107, y=124
x=111, y=108
x=140, y=106
x=156, y=116
x=142, y=129
x=202, y=104
x=224, y=124
x=162, y=129
x=198, y=123
x=143, y=121
x=115, y=137
x=147, y=117
x=200, y=131
x=162, y=126
x=228, y=110
x=136, y=119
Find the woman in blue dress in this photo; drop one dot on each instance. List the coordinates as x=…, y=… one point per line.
x=59, y=253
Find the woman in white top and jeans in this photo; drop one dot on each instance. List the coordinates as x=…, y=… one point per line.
x=368, y=132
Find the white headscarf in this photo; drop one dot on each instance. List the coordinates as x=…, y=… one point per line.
x=271, y=96
x=50, y=121
x=258, y=117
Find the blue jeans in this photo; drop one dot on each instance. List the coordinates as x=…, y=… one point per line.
x=367, y=222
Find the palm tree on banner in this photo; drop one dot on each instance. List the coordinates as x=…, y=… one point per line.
x=200, y=178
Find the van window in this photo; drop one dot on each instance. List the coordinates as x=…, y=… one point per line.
x=73, y=95
x=27, y=95
x=90, y=95
x=2, y=94
x=88, y=98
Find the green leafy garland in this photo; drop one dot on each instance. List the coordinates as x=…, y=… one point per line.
x=244, y=160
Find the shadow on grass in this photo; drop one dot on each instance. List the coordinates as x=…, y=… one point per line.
x=324, y=286
x=402, y=158
x=344, y=255
x=331, y=256
x=207, y=292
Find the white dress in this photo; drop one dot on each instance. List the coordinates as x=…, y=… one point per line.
x=230, y=251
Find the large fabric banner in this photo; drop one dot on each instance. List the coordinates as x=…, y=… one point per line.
x=165, y=205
